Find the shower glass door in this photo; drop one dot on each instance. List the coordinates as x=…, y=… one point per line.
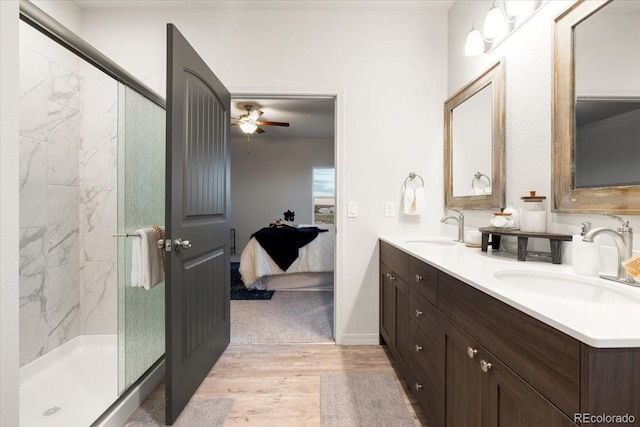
x=141, y=203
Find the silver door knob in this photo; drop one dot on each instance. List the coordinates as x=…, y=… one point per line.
x=417, y=386
x=485, y=366
x=418, y=277
x=471, y=352
x=181, y=244
x=418, y=347
x=418, y=313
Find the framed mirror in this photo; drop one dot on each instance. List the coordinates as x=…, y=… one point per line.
x=474, y=141
x=596, y=108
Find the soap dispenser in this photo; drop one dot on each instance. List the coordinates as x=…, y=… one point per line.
x=586, y=255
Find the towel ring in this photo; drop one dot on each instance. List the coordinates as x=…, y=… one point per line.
x=477, y=177
x=411, y=177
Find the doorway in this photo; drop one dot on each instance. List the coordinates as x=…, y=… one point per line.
x=272, y=180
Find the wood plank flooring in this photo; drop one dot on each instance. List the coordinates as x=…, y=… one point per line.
x=279, y=384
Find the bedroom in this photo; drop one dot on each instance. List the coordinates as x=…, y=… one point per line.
x=276, y=170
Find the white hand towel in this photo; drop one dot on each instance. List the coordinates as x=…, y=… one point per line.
x=413, y=201
x=146, y=271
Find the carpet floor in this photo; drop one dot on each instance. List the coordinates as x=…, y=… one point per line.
x=288, y=317
x=198, y=412
x=366, y=400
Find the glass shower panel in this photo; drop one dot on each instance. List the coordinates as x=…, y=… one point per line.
x=141, y=203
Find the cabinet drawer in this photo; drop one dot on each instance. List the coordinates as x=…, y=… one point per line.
x=544, y=357
x=395, y=259
x=423, y=352
x=424, y=315
x=424, y=279
x=424, y=392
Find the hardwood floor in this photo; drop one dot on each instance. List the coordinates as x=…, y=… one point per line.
x=279, y=384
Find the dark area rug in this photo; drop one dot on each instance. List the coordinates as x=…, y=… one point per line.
x=240, y=292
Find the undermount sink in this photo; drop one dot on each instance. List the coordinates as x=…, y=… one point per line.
x=568, y=287
x=436, y=240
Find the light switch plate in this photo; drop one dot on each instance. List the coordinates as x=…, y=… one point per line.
x=352, y=209
x=389, y=208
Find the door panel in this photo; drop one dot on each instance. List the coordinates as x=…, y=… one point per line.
x=198, y=211
x=462, y=378
x=511, y=402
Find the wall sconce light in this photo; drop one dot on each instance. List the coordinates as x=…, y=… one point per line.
x=474, y=45
x=495, y=23
x=504, y=17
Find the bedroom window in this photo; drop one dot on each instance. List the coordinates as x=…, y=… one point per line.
x=324, y=195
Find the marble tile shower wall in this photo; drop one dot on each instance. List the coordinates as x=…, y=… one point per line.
x=67, y=200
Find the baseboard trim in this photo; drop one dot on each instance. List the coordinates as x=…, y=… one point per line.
x=118, y=414
x=359, y=339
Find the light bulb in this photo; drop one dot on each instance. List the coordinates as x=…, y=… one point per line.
x=247, y=127
x=474, y=44
x=495, y=25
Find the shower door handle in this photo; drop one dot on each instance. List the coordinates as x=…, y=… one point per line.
x=181, y=244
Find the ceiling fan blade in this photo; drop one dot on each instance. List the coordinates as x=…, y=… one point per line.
x=259, y=130
x=266, y=123
x=255, y=115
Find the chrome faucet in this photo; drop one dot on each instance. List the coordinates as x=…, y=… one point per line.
x=460, y=220
x=623, y=237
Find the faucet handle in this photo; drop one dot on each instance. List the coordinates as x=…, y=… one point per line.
x=625, y=223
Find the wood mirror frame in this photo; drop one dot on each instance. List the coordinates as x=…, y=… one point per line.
x=495, y=77
x=566, y=198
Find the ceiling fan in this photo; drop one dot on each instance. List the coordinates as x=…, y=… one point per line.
x=249, y=122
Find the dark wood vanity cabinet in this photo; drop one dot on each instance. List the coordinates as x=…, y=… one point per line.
x=472, y=360
x=479, y=390
x=394, y=302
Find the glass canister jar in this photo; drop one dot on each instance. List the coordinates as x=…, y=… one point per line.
x=533, y=213
x=502, y=220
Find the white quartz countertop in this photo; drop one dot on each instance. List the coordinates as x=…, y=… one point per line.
x=609, y=324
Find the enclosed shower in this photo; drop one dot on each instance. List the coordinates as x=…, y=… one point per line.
x=91, y=169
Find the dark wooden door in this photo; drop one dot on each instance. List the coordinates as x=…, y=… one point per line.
x=462, y=378
x=198, y=211
x=387, y=306
x=510, y=402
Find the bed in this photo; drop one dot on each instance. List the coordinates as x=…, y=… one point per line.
x=312, y=269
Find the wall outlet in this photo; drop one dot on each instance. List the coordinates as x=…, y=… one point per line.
x=389, y=209
x=352, y=209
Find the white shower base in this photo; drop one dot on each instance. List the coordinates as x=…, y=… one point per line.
x=71, y=385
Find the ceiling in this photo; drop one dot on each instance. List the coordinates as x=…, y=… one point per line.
x=307, y=117
x=435, y=5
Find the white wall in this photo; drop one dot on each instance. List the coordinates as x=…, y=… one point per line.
x=276, y=175
x=9, y=221
x=528, y=54
x=386, y=61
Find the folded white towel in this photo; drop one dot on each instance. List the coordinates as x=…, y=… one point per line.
x=413, y=201
x=146, y=270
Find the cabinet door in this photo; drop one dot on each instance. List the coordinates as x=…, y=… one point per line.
x=462, y=377
x=402, y=317
x=510, y=402
x=387, y=306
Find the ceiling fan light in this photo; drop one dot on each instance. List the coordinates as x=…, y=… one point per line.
x=474, y=45
x=247, y=127
x=495, y=25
